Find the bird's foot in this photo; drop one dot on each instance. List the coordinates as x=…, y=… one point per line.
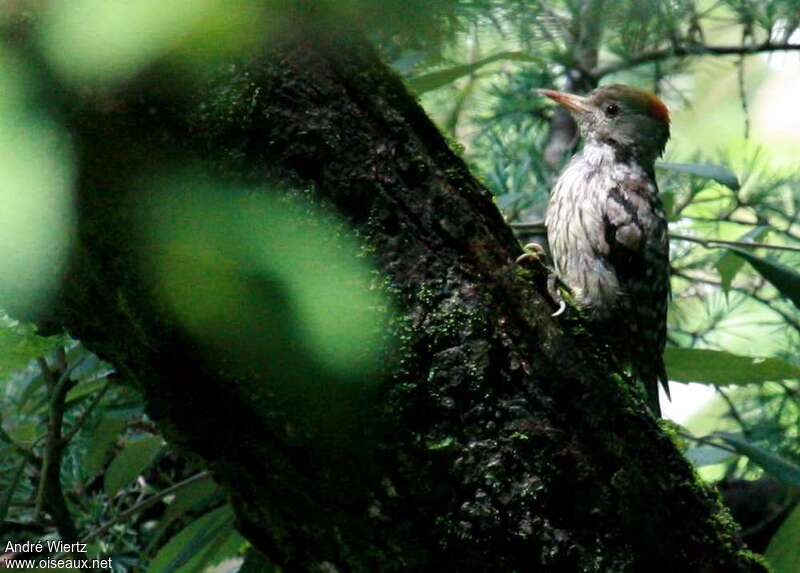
x=533, y=253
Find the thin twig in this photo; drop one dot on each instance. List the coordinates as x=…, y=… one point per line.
x=692, y=50
x=789, y=318
x=84, y=416
x=721, y=243
x=538, y=227
x=733, y=411
x=144, y=504
x=706, y=440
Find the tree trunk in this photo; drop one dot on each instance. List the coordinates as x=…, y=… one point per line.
x=500, y=440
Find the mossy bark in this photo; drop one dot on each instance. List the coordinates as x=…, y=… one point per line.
x=501, y=439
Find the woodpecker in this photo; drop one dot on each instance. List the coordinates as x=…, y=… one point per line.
x=607, y=230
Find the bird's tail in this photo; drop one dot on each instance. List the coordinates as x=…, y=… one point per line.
x=650, y=376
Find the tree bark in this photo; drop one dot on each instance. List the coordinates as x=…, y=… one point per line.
x=501, y=438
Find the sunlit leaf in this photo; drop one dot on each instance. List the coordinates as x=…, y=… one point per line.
x=783, y=278
x=723, y=368
x=783, y=552
x=729, y=264
x=135, y=457
x=781, y=469
x=717, y=173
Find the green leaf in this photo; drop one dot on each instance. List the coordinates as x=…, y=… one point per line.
x=441, y=78
x=193, y=496
x=779, y=468
x=723, y=368
x=783, y=552
x=729, y=264
x=717, y=173
x=84, y=389
x=19, y=344
x=128, y=36
x=104, y=436
x=24, y=433
x=247, y=276
x=209, y=538
x=134, y=458
x=36, y=383
x=708, y=455
x=783, y=278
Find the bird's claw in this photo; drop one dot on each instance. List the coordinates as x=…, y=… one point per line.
x=534, y=252
x=553, y=284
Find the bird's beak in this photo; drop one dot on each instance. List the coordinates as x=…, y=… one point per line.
x=571, y=102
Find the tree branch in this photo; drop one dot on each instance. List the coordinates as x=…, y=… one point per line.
x=84, y=415
x=721, y=243
x=539, y=228
x=50, y=496
x=690, y=51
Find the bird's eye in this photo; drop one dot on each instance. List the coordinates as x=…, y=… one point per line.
x=612, y=109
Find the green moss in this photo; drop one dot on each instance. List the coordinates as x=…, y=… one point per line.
x=674, y=432
x=752, y=558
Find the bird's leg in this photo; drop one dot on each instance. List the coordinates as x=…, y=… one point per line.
x=554, y=285
x=534, y=253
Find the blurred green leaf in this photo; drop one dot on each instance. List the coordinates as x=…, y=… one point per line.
x=135, y=457
x=270, y=282
x=723, y=368
x=109, y=41
x=729, y=264
x=206, y=541
x=779, y=468
x=717, y=173
x=708, y=455
x=102, y=439
x=783, y=552
x=783, y=278
x=36, y=176
x=440, y=78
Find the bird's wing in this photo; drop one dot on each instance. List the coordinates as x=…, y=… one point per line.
x=637, y=236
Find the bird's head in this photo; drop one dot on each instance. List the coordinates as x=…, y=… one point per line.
x=633, y=121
